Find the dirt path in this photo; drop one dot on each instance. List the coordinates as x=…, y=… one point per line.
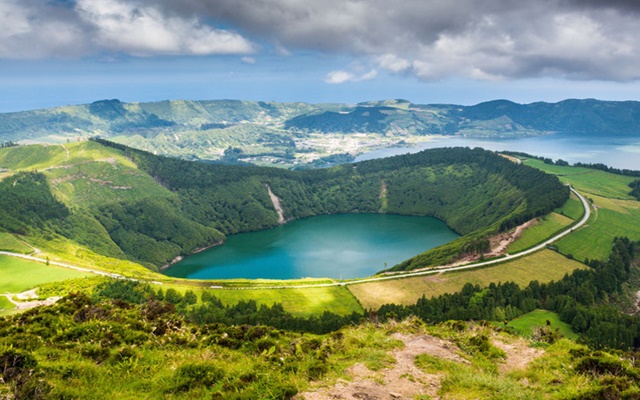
x=402, y=381
x=519, y=353
x=29, y=294
x=276, y=204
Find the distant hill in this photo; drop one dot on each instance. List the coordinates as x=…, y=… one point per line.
x=268, y=133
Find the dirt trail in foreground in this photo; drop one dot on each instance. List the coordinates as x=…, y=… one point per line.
x=406, y=381
x=402, y=381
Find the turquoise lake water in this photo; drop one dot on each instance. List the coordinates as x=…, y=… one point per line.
x=335, y=246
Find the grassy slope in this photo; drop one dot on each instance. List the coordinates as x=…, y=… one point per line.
x=617, y=212
x=18, y=275
x=302, y=302
x=612, y=218
x=543, y=266
x=545, y=227
x=572, y=208
x=8, y=242
x=525, y=323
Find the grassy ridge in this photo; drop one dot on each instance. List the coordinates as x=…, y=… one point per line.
x=543, y=266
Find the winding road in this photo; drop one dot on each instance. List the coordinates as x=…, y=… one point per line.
x=436, y=270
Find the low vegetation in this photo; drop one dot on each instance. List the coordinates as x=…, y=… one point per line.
x=531, y=323
x=544, y=266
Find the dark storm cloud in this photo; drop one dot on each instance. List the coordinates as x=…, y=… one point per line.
x=493, y=39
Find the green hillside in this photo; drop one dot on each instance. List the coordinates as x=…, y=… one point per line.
x=123, y=203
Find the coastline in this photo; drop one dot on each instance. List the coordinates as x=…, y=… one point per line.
x=195, y=251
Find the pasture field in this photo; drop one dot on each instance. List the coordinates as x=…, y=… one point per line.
x=572, y=208
x=8, y=242
x=611, y=218
x=545, y=227
x=17, y=275
x=299, y=302
x=544, y=266
x=525, y=323
x=589, y=181
x=615, y=212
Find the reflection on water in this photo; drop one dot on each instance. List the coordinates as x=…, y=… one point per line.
x=616, y=152
x=334, y=246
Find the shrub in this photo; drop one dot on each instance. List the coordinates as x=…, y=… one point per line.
x=189, y=376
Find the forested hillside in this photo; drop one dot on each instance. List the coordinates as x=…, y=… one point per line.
x=126, y=203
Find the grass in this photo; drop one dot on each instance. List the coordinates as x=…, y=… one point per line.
x=34, y=157
x=65, y=250
x=17, y=275
x=589, y=181
x=525, y=323
x=8, y=242
x=545, y=227
x=572, y=208
x=544, y=266
x=98, y=183
x=300, y=302
x=5, y=306
x=611, y=218
x=616, y=212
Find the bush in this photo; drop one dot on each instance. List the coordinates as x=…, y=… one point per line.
x=189, y=376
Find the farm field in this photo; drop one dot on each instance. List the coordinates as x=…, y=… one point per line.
x=572, y=208
x=611, y=218
x=544, y=266
x=589, y=181
x=545, y=227
x=615, y=213
x=299, y=302
x=526, y=322
x=18, y=275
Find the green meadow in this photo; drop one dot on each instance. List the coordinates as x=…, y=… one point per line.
x=10, y=243
x=17, y=275
x=544, y=228
x=614, y=211
x=539, y=318
x=544, y=266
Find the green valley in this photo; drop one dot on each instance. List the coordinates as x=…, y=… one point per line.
x=137, y=333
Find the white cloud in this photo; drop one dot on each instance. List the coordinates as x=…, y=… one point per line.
x=248, y=60
x=33, y=32
x=336, y=77
x=145, y=30
x=489, y=39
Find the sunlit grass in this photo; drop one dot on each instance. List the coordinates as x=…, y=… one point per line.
x=544, y=266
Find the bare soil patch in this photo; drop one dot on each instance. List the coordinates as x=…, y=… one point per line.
x=402, y=381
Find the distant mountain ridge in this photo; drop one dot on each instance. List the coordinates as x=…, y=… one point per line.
x=281, y=132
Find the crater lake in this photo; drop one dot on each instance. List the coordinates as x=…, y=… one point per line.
x=341, y=246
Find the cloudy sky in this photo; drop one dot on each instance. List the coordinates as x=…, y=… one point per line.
x=57, y=52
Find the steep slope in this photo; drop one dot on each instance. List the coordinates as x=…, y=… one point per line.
x=126, y=203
